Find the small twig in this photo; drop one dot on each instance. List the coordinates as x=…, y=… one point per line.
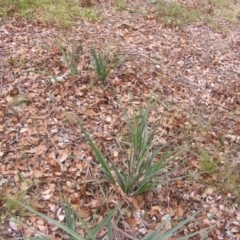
x=151, y=59
x=53, y=142
x=123, y=233
x=89, y=172
x=143, y=55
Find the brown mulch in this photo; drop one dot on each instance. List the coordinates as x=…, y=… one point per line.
x=196, y=72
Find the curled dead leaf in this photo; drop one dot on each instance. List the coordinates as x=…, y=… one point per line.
x=13, y=226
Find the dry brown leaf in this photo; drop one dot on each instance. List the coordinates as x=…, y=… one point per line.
x=131, y=221
x=196, y=71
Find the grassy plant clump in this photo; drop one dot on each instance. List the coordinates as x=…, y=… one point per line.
x=62, y=13
x=212, y=12
x=8, y=200
x=103, y=64
x=227, y=11
x=175, y=14
x=23, y=6
x=11, y=7
x=146, y=164
x=90, y=14
x=120, y=4
x=207, y=162
x=72, y=218
x=231, y=179
x=71, y=58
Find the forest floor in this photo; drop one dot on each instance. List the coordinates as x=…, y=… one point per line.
x=194, y=68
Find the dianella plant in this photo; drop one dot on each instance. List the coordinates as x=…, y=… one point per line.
x=103, y=63
x=148, y=164
x=71, y=58
x=72, y=219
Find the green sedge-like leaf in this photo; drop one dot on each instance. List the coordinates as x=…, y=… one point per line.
x=120, y=179
x=157, y=234
x=170, y=232
x=195, y=233
x=106, y=220
x=110, y=231
x=69, y=216
x=92, y=233
x=97, y=153
x=56, y=223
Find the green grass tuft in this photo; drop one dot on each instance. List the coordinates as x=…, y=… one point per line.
x=62, y=13
x=91, y=14
x=207, y=162
x=176, y=14
x=71, y=57
x=146, y=165
x=103, y=63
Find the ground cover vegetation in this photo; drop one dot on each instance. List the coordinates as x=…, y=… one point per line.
x=119, y=119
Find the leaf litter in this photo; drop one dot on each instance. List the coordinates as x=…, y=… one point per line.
x=196, y=71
